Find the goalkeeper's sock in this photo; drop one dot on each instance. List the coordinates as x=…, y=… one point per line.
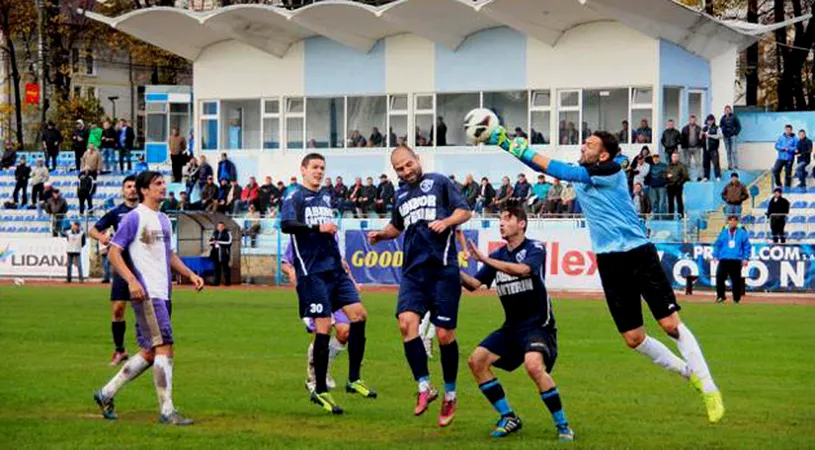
x=690, y=349
x=662, y=356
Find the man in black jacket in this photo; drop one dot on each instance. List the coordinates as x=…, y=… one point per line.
x=221, y=250
x=384, y=194
x=109, y=139
x=804, y=152
x=51, y=140
x=22, y=173
x=265, y=194
x=777, y=212
x=692, y=147
x=366, y=197
x=671, y=138
x=79, y=142
x=341, y=196
x=9, y=156
x=486, y=195
x=125, y=140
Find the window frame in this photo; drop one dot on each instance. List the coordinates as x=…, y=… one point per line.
x=294, y=115
x=425, y=112
x=577, y=108
x=201, y=118
x=539, y=109
x=270, y=115
x=390, y=112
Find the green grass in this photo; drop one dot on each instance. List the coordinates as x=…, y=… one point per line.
x=240, y=367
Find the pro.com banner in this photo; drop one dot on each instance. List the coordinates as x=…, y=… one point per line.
x=382, y=263
x=772, y=268
x=41, y=257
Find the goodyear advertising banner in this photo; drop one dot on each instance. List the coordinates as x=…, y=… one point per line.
x=382, y=263
x=772, y=268
x=45, y=257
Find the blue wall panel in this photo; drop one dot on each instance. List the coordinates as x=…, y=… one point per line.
x=334, y=69
x=768, y=126
x=679, y=67
x=493, y=59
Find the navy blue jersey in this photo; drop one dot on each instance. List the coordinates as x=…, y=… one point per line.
x=525, y=300
x=314, y=252
x=113, y=217
x=433, y=197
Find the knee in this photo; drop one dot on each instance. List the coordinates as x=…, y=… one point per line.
x=670, y=325
x=118, y=311
x=534, y=366
x=341, y=333
x=445, y=336
x=478, y=362
x=634, y=338
x=357, y=313
x=409, y=326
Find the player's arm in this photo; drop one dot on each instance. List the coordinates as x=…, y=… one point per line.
x=180, y=268
x=469, y=282
x=390, y=232
x=98, y=231
x=513, y=269
x=100, y=236
x=124, y=236
x=288, y=269
x=539, y=162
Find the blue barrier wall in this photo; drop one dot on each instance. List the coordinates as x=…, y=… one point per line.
x=768, y=126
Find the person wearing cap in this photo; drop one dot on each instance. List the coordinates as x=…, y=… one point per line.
x=732, y=252
x=734, y=194
x=384, y=194
x=777, y=212
x=79, y=143
x=39, y=176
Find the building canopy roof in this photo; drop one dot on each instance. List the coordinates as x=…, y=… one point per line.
x=447, y=22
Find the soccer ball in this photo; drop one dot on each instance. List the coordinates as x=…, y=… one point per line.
x=479, y=124
x=19, y=282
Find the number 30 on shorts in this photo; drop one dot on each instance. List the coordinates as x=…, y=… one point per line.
x=315, y=308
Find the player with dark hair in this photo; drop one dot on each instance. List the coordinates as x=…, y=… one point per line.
x=627, y=261
x=323, y=286
x=119, y=295
x=428, y=208
x=528, y=335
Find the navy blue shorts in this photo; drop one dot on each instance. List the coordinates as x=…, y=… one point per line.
x=119, y=291
x=431, y=287
x=322, y=293
x=513, y=345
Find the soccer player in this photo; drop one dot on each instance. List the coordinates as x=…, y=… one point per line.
x=528, y=335
x=119, y=294
x=141, y=254
x=627, y=261
x=323, y=286
x=428, y=209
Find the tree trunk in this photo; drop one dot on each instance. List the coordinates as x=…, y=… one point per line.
x=782, y=89
x=709, y=7
x=751, y=90
x=15, y=76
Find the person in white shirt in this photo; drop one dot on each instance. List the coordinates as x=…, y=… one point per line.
x=146, y=234
x=76, y=241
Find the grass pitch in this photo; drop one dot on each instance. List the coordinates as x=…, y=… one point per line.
x=240, y=367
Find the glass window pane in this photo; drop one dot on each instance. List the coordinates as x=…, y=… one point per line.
x=604, y=109
x=271, y=107
x=179, y=107
x=540, y=133
x=366, y=115
x=512, y=109
x=567, y=127
x=271, y=133
x=294, y=133
x=570, y=98
x=424, y=130
x=156, y=107
x=156, y=127
x=452, y=108
x=209, y=108
x=295, y=105
x=240, y=124
x=325, y=119
x=642, y=96
x=398, y=134
x=209, y=134
x=541, y=99
x=399, y=102
x=180, y=121
x=424, y=102
x=642, y=120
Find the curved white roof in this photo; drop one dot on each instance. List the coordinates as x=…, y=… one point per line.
x=446, y=22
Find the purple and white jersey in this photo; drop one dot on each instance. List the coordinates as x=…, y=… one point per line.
x=147, y=237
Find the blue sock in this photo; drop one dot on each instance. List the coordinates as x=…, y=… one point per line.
x=495, y=394
x=449, y=365
x=552, y=400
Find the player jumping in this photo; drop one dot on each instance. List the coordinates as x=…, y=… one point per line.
x=627, y=261
x=141, y=253
x=528, y=335
x=428, y=208
x=119, y=295
x=323, y=286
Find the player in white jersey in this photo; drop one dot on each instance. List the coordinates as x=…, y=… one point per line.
x=146, y=235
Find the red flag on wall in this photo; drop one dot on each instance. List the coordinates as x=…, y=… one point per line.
x=32, y=93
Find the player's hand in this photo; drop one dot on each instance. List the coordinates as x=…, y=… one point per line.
x=330, y=228
x=105, y=240
x=373, y=237
x=197, y=281
x=357, y=286
x=438, y=226
x=136, y=291
x=473, y=250
x=744, y=263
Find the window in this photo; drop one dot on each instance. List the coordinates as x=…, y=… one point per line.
x=424, y=118
x=92, y=92
x=325, y=122
x=368, y=116
x=642, y=99
x=569, y=117
x=77, y=90
x=240, y=124
x=511, y=108
x=156, y=122
x=82, y=61
x=398, y=119
x=540, y=118
x=295, y=123
x=271, y=123
x=605, y=109
x=209, y=125
x=180, y=117
x=451, y=108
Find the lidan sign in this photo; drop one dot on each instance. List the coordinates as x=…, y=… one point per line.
x=44, y=257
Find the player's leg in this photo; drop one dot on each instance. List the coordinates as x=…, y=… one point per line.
x=447, y=293
x=346, y=296
x=117, y=329
x=736, y=281
x=721, y=279
x=134, y=367
x=539, y=361
x=496, y=350
x=410, y=307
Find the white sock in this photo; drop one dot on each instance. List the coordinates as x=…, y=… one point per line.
x=334, y=349
x=450, y=396
x=310, y=363
x=163, y=380
x=134, y=367
x=663, y=356
x=692, y=353
x=424, y=385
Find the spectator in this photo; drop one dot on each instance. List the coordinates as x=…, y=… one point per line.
x=677, y=177
x=21, y=175
x=657, y=182
x=571, y=134
x=777, y=212
x=504, y=194
x=91, y=162
x=441, y=132
x=392, y=140
x=671, y=138
x=84, y=192
x=292, y=184
x=141, y=165
x=786, y=146
x=804, y=152
x=253, y=225
x=644, y=133
x=355, y=139
x=486, y=195
x=521, y=191
x=250, y=194
x=692, y=147
x=126, y=139
x=9, y=156
x=730, y=127
x=204, y=171
x=732, y=251
x=340, y=195
x=169, y=204
x=642, y=204
x=586, y=131
x=229, y=197
x=47, y=194
x=540, y=190
x=224, y=189
x=455, y=183
x=39, y=176
x=79, y=142
x=519, y=132
x=355, y=194
x=226, y=169
x=312, y=143
x=76, y=241
x=376, y=139
x=734, y=194
x=554, y=197
x=536, y=137
x=220, y=253
x=108, y=146
x=191, y=175
x=384, y=194
x=421, y=140
x=470, y=190
x=622, y=135
x=51, y=140
x=178, y=153
x=711, y=136
x=56, y=207
x=567, y=199
x=267, y=193
x=641, y=167
x=94, y=135
x=367, y=197
x=183, y=202
x=209, y=195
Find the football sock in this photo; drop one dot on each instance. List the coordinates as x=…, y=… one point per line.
x=495, y=394
x=320, y=361
x=692, y=353
x=163, y=379
x=551, y=399
x=118, y=331
x=417, y=360
x=662, y=356
x=334, y=349
x=356, y=349
x=449, y=368
x=134, y=367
